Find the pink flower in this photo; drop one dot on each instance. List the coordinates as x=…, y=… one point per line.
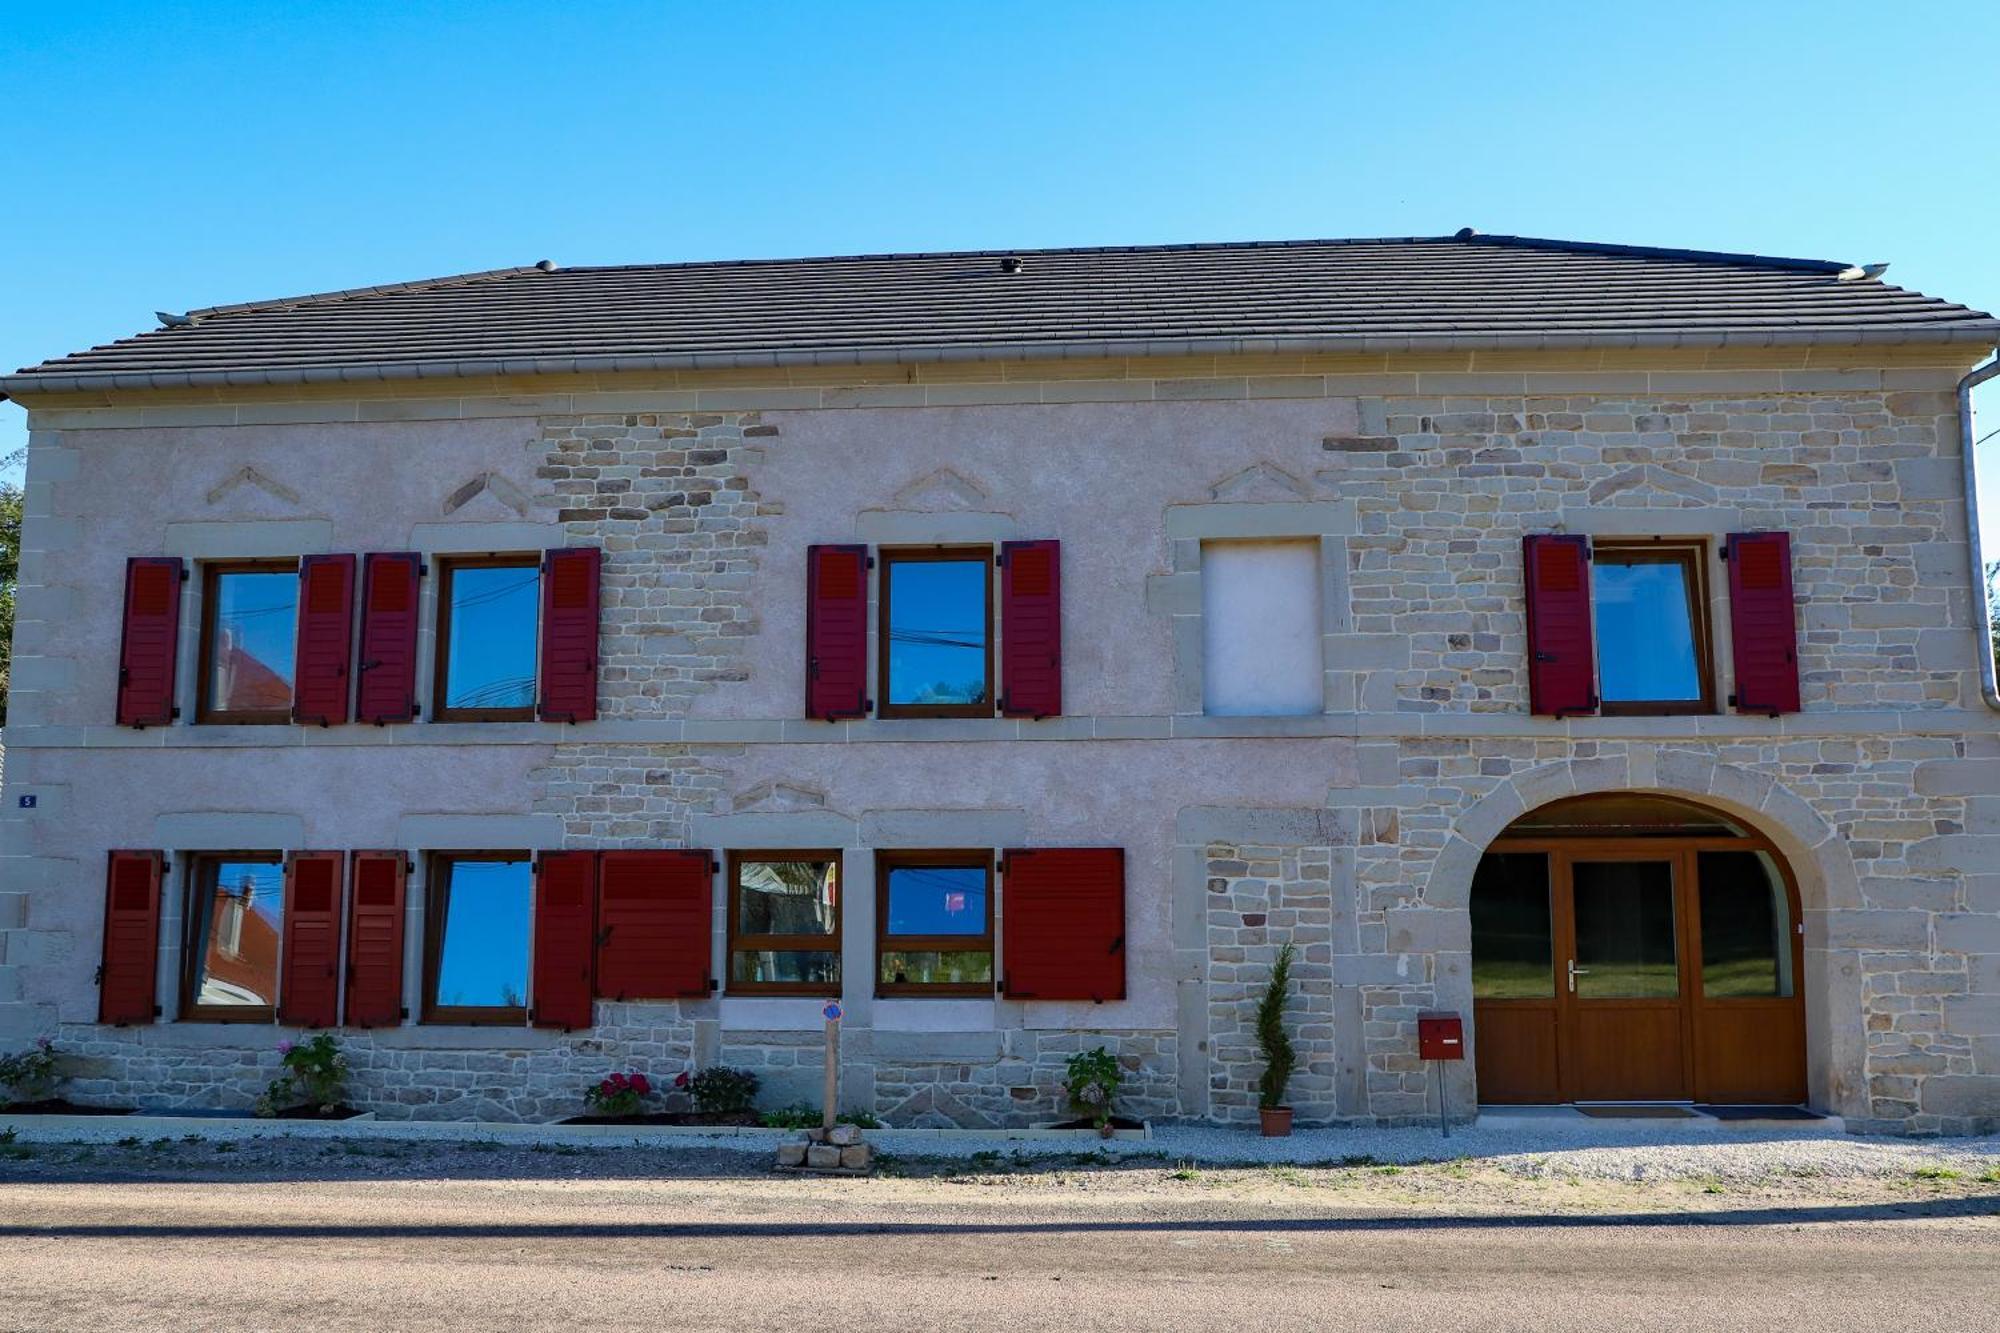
x=285, y=1048
x=640, y=1084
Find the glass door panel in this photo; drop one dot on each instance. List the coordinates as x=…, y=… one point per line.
x=1625, y=936
x=1746, y=927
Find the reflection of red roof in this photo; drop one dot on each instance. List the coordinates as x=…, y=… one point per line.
x=252, y=964
x=252, y=685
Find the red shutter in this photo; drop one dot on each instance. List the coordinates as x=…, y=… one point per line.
x=569, y=634
x=836, y=631
x=375, y=941
x=653, y=930
x=152, y=627
x=565, y=893
x=1031, y=629
x=1063, y=936
x=1762, y=623
x=310, y=991
x=131, y=938
x=387, y=689
x=1562, y=666
x=326, y=639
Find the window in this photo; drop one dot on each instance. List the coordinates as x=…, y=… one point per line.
x=488, y=617
x=235, y=920
x=1260, y=617
x=1512, y=935
x=1651, y=609
x=477, y=964
x=934, y=923
x=784, y=923
x=937, y=632
x=249, y=641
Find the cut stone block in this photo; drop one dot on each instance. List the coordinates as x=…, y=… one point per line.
x=822, y=1155
x=791, y=1154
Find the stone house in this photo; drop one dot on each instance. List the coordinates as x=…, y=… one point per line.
x=547, y=671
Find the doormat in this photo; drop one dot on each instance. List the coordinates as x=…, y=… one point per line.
x=1760, y=1113
x=1637, y=1112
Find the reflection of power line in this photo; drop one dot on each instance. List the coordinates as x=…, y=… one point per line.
x=250, y=613
x=935, y=639
x=493, y=691
x=493, y=594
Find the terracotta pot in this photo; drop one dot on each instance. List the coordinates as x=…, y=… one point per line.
x=1276, y=1121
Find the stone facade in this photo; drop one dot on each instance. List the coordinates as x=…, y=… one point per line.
x=1353, y=832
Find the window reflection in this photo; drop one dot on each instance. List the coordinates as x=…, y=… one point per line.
x=1512, y=945
x=1625, y=944
x=482, y=947
x=252, y=641
x=1645, y=617
x=492, y=615
x=937, y=626
x=241, y=917
x=1745, y=927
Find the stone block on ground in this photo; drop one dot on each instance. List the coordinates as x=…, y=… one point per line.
x=791, y=1154
x=855, y=1155
x=821, y=1155
x=844, y=1135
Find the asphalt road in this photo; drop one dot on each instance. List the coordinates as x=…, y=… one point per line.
x=760, y=1254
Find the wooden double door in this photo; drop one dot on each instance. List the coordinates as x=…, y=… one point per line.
x=1637, y=970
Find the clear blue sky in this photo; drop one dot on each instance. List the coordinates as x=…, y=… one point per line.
x=163, y=155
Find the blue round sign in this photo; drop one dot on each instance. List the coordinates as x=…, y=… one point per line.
x=832, y=1011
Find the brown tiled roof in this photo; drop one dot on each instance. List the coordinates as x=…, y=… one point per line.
x=1459, y=291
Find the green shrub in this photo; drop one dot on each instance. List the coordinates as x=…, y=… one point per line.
x=720, y=1090
x=313, y=1073
x=800, y=1116
x=31, y=1074
x=1091, y=1080
x=1273, y=1041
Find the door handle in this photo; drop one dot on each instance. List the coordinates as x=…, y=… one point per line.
x=1574, y=973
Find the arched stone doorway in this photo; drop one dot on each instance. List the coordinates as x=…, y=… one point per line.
x=1637, y=947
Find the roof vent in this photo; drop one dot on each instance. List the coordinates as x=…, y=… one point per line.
x=1012, y=263
x=546, y=265
x=1464, y=234
x=1863, y=273
x=170, y=321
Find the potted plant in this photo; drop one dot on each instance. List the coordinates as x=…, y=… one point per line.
x=1275, y=1044
x=311, y=1082
x=1091, y=1079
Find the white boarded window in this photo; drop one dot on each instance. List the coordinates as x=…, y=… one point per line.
x=1260, y=628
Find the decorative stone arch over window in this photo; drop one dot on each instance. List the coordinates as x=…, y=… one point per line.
x=1829, y=889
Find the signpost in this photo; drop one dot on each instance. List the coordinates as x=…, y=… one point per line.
x=832, y=1103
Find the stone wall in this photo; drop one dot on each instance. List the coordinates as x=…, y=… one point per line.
x=1884, y=793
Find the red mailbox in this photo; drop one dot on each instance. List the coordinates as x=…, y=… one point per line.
x=1441, y=1036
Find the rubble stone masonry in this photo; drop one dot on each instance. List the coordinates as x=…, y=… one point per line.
x=1353, y=832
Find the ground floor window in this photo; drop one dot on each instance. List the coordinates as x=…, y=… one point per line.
x=934, y=923
x=235, y=921
x=784, y=923
x=477, y=936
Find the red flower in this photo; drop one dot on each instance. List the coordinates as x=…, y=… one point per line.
x=681, y=1079
x=640, y=1085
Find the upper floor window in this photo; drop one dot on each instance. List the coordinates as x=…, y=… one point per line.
x=784, y=923
x=1260, y=618
x=934, y=923
x=249, y=641
x=937, y=632
x=1651, y=604
x=477, y=942
x=235, y=920
x=489, y=611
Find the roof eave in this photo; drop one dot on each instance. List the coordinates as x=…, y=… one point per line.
x=1985, y=333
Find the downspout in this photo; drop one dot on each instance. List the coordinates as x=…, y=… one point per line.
x=1982, y=614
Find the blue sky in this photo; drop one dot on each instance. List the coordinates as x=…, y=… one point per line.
x=163, y=155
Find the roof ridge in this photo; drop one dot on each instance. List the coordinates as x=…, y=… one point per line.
x=352, y=293
x=1734, y=257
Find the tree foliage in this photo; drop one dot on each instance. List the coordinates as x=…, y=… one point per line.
x=1993, y=606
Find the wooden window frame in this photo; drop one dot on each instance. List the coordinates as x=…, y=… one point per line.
x=447, y=567
x=437, y=894
x=887, y=861
x=200, y=870
x=1692, y=555
x=205, y=712
x=886, y=559
x=739, y=942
